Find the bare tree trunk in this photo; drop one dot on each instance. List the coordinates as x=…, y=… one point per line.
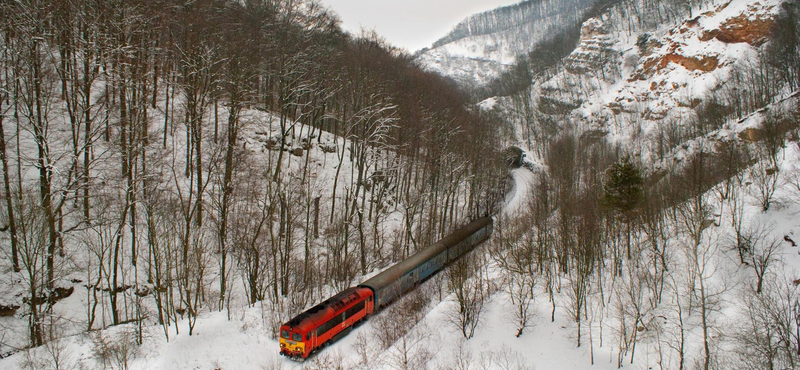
x=45, y=171
x=227, y=193
x=12, y=224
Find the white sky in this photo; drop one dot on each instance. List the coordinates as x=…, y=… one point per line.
x=410, y=24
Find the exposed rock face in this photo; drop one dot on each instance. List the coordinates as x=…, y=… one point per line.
x=752, y=27
x=592, y=28
x=692, y=63
x=595, y=49
x=596, y=59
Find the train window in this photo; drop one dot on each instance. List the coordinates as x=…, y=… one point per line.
x=324, y=328
x=284, y=334
x=297, y=337
x=354, y=310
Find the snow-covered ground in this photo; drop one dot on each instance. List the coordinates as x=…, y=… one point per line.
x=519, y=196
x=492, y=41
x=243, y=340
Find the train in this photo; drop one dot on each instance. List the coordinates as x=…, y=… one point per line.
x=325, y=323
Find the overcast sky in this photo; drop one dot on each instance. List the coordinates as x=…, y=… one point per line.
x=410, y=24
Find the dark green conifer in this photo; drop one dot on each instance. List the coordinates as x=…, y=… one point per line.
x=623, y=187
x=623, y=193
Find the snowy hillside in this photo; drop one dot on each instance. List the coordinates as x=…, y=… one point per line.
x=482, y=46
x=179, y=186
x=240, y=338
x=165, y=160
x=674, y=70
x=647, y=82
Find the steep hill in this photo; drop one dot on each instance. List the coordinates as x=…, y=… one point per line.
x=325, y=158
x=482, y=46
x=654, y=80
x=163, y=159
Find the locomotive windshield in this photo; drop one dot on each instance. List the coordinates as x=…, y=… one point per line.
x=284, y=334
x=297, y=337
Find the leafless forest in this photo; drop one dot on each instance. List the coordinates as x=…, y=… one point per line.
x=125, y=166
x=132, y=170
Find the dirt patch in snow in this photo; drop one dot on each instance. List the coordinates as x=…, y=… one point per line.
x=699, y=63
x=751, y=135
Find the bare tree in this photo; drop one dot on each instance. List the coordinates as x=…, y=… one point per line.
x=465, y=281
x=99, y=239
x=412, y=350
x=766, y=176
x=769, y=337
x=461, y=356
x=703, y=267
x=192, y=275
x=504, y=359
x=516, y=254
x=398, y=329
x=250, y=218
x=757, y=337
x=33, y=249
x=678, y=327
x=34, y=92
x=6, y=86
x=737, y=204
x=633, y=305
x=763, y=250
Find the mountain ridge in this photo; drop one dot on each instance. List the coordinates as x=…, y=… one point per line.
x=482, y=46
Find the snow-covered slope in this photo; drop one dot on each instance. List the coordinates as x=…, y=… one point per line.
x=241, y=338
x=636, y=80
x=674, y=70
x=479, y=48
x=627, y=81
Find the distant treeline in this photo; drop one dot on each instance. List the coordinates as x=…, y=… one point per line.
x=511, y=16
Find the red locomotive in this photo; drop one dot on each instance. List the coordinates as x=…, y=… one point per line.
x=325, y=322
x=335, y=317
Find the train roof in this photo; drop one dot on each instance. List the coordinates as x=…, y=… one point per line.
x=393, y=273
x=322, y=312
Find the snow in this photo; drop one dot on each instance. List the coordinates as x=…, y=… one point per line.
x=476, y=59
x=244, y=341
x=545, y=345
x=488, y=104
x=519, y=196
x=731, y=9
x=243, y=338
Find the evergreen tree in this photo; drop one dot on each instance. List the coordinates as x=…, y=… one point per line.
x=623, y=187
x=623, y=193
